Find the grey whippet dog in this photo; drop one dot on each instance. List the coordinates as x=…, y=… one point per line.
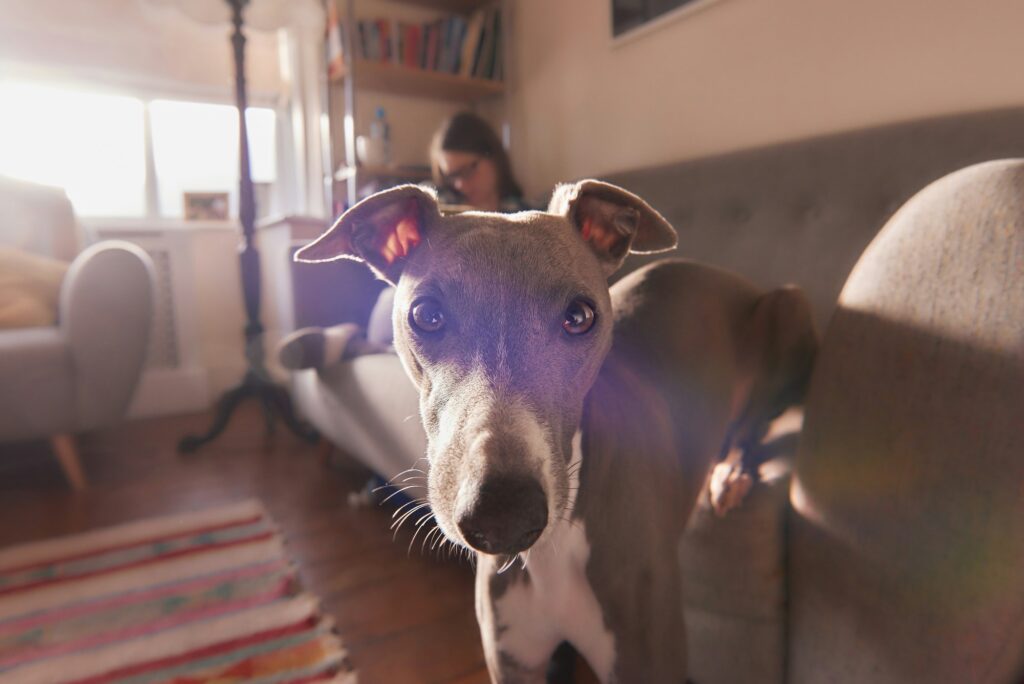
x=571, y=427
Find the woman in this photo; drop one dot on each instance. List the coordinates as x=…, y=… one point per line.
x=470, y=166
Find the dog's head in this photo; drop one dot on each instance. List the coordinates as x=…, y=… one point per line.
x=502, y=322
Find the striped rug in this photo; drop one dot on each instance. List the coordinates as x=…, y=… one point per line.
x=204, y=596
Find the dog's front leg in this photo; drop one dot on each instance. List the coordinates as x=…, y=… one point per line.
x=643, y=607
x=517, y=635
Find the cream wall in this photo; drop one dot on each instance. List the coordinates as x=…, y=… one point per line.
x=739, y=73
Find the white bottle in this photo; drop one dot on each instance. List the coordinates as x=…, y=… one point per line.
x=380, y=138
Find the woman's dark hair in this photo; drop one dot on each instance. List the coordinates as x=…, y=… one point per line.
x=467, y=132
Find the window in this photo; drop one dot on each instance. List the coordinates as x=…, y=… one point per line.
x=195, y=149
x=91, y=145
x=95, y=147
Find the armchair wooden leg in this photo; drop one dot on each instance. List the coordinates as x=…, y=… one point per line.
x=67, y=453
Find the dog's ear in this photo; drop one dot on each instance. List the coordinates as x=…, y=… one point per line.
x=383, y=230
x=778, y=348
x=612, y=221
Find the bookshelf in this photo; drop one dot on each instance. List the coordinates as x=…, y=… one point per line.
x=374, y=62
x=449, y=6
x=402, y=80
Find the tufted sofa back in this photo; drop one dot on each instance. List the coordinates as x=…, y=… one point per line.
x=803, y=212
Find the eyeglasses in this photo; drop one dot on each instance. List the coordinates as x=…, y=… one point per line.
x=462, y=174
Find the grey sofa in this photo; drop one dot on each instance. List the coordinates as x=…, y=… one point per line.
x=80, y=374
x=892, y=552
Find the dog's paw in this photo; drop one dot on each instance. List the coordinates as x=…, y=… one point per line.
x=728, y=487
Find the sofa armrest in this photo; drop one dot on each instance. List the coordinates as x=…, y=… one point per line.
x=106, y=307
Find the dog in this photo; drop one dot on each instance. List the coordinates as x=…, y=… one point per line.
x=572, y=426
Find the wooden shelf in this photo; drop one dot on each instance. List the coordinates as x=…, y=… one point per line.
x=450, y=6
x=411, y=174
x=401, y=80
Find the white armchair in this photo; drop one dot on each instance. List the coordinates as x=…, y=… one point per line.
x=80, y=373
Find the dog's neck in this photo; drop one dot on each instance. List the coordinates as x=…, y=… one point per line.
x=629, y=465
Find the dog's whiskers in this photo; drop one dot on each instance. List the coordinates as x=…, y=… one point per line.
x=398, y=523
x=430, y=535
x=413, y=469
x=419, y=528
x=405, y=505
x=508, y=564
x=396, y=492
x=420, y=503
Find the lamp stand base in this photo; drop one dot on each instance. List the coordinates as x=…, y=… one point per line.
x=274, y=401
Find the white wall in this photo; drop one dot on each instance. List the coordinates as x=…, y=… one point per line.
x=740, y=73
x=131, y=44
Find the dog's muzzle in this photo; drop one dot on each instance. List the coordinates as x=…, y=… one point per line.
x=507, y=516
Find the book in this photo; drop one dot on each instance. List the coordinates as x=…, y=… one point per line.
x=335, y=44
x=471, y=43
x=411, y=52
x=424, y=36
x=384, y=31
x=396, y=41
x=361, y=47
x=373, y=40
x=499, y=47
x=488, y=41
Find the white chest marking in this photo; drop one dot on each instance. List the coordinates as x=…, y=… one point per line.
x=558, y=602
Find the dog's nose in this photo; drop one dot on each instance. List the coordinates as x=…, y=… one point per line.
x=507, y=516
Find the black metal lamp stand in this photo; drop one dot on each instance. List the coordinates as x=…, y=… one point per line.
x=257, y=383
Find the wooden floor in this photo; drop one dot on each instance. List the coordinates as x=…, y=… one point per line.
x=404, y=617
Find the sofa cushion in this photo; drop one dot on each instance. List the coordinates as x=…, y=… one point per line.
x=907, y=543
x=368, y=407
x=29, y=288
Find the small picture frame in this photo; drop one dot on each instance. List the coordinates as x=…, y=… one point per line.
x=206, y=206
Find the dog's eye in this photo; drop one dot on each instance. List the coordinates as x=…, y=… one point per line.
x=426, y=315
x=579, y=317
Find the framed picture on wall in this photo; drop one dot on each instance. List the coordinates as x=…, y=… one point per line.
x=628, y=15
x=206, y=206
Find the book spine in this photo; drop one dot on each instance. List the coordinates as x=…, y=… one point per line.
x=384, y=29
x=424, y=40
x=496, y=45
x=335, y=45
x=394, y=45
x=375, y=41
x=482, y=45
x=433, y=44
x=470, y=44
